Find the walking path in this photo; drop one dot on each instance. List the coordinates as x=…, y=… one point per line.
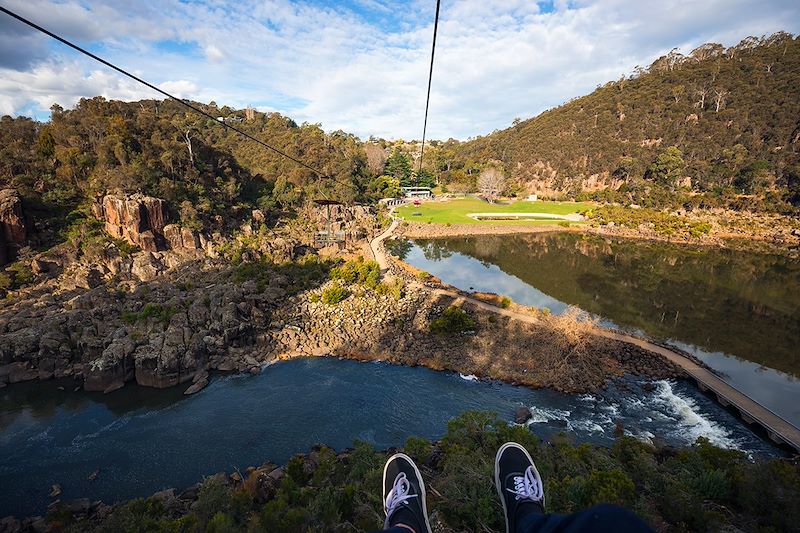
x=779, y=430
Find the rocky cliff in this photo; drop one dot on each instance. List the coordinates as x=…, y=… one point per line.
x=13, y=225
x=204, y=317
x=137, y=218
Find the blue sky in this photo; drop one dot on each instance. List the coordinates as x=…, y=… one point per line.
x=361, y=65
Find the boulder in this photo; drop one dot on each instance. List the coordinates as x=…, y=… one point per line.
x=173, y=236
x=17, y=372
x=522, y=414
x=146, y=266
x=170, y=358
x=197, y=386
x=112, y=369
x=178, y=238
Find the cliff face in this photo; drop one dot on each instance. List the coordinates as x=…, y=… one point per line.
x=13, y=226
x=137, y=218
x=142, y=220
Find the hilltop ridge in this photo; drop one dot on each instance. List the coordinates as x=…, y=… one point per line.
x=732, y=113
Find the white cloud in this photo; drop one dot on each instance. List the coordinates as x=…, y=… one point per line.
x=338, y=66
x=180, y=88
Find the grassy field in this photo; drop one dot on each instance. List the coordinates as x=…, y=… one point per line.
x=456, y=211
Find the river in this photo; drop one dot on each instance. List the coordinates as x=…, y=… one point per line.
x=739, y=312
x=143, y=440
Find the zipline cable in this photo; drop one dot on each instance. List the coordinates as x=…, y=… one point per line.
x=430, y=78
x=165, y=93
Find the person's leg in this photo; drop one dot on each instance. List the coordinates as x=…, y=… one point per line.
x=518, y=484
x=522, y=495
x=603, y=517
x=404, y=497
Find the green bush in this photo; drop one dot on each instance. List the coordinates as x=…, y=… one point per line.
x=23, y=275
x=366, y=273
x=396, y=289
x=454, y=320
x=214, y=497
x=156, y=312
x=334, y=294
x=505, y=302
x=423, y=276
x=303, y=274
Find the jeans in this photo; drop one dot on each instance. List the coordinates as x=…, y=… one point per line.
x=600, y=518
x=603, y=517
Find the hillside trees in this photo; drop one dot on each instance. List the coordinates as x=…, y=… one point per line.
x=704, y=104
x=209, y=175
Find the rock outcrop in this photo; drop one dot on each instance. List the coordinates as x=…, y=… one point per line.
x=137, y=218
x=142, y=221
x=13, y=225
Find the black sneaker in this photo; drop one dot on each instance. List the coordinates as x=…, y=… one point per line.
x=404, y=494
x=518, y=484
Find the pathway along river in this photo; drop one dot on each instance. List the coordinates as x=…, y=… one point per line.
x=143, y=440
x=739, y=312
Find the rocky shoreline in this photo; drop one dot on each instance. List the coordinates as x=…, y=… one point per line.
x=204, y=316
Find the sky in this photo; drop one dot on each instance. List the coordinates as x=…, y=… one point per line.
x=361, y=65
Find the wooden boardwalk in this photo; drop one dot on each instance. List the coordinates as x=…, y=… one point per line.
x=779, y=430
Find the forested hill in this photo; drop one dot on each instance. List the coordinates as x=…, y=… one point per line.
x=733, y=114
x=207, y=173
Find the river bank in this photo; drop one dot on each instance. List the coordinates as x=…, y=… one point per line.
x=173, y=331
x=325, y=488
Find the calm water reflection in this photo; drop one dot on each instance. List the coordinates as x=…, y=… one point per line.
x=713, y=302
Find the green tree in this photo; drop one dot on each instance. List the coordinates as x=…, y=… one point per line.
x=398, y=166
x=46, y=144
x=668, y=167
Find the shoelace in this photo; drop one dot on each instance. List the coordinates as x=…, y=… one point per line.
x=527, y=486
x=399, y=493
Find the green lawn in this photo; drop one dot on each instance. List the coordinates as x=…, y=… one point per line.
x=455, y=211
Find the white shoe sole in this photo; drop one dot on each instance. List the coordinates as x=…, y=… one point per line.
x=419, y=478
x=497, y=483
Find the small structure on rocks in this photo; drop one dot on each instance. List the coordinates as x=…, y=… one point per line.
x=328, y=237
x=343, y=223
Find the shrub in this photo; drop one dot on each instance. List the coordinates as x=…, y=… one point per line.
x=5, y=281
x=396, y=289
x=423, y=276
x=454, y=320
x=214, y=497
x=418, y=449
x=222, y=523
x=23, y=275
x=157, y=312
x=505, y=302
x=366, y=273
x=335, y=294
